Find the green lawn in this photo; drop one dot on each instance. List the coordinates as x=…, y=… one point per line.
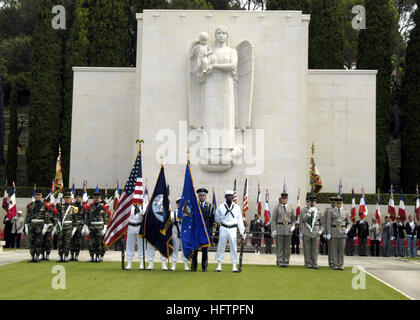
x=107, y=281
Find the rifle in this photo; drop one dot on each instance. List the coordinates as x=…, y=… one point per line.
x=241, y=254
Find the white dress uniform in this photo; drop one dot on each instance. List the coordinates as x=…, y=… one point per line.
x=230, y=219
x=133, y=237
x=177, y=242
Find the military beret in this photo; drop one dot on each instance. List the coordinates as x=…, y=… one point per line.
x=202, y=191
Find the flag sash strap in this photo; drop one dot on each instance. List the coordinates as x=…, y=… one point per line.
x=64, y=218
x=311, y=227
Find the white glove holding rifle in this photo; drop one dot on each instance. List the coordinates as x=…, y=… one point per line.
x=73, y=231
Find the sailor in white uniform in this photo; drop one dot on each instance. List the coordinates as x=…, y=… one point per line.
x=229, y=215
x=134, y=224
x=176, y=239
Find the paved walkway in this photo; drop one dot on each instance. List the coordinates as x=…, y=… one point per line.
x=401, y=274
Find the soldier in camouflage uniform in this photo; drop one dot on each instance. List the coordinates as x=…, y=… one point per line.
x=76, y=235
x=66, y=215
x=96, y=219
x=35, y=223
x=47, y=242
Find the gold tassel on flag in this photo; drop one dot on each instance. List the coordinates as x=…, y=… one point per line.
x=58, y=181
x=314, y=176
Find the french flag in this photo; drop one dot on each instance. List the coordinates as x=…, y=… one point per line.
x=267, y=213
x=259, y=204
x=12, y=204
x=72, y=193
x=52, y=198
x=401, y=208
x=298, y=205
x=5, y=204
x=353, y=206
x=391, y=206
x=417, y=205
x=363, y=210
x=378, y=211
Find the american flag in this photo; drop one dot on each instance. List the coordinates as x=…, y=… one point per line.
x=132, y=194
x=235, y=196
x=245, y=209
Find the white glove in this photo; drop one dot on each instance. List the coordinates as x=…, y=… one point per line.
x=274, y=234
x=379, y=239
x=392, y=238
x=328, y=236
x=54, y=231
x=354, y=238
x=44, y=229
x=345, y=231
x=73, y=231
x=319, y=232
x=26, y=229
x=103, y=231
x=301, y=235
x=244, y=236
x=292, y=229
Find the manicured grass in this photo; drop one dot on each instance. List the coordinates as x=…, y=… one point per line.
x=106, y=280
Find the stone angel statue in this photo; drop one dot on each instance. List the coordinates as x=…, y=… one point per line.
x=220, y=89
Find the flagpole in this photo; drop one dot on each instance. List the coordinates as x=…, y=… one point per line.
x=140, y=142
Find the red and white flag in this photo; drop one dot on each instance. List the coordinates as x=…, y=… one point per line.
x=235, y=195
x=85, y=197
x=391, y=206
x=363, y=210
x=267, y=213
x=52, y=198
x=378, y=210
x=401, y=209
x=12, y=203
x=132, y=195
x=116, y=195
x=245, y=201
x=259, y=202
x=353, y=206
x=417, y=205
x=298, y=205
x=5, y=204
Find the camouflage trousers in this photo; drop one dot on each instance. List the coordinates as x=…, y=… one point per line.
x=63, y=241
x=35, y=238
x=95, y=240
x=47, y=242
x=76, y=241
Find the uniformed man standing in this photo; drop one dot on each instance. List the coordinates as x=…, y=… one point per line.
x=65, y=227
x=36, y=221
x=338, y=224
x=108, y=216
x=76, y=234
x=133, y=230
x=208, y=215
x=176, y=239
x=328, y=212
x=47, y=242
x=282, y=225
x=229, y=215
x=96, y=222
x=312, y=228
x=362, y=231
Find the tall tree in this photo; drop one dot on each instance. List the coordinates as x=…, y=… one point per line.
x=302, y=5
x=2, y=123
x=326, y=35
x=411, y=109
x=375, y=52
x=76, y=54
x=12, y=144
x=109, y=33
x=190, y=4
x=46, y=91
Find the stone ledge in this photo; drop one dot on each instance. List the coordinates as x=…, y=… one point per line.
x=343, y=71
x=103, y=69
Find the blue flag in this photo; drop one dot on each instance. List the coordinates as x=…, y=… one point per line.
x=157, y=219
x=193, y=229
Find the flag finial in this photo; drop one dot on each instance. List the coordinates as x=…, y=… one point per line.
x=313, y=148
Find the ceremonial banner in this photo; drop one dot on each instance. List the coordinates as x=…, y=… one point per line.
x=417, y=205
x=298, y=205
x=314, y=177
x=267, y=212
x=401, y=209
x=245, y=201
x=259, y=203
x=353, y=207
x=58, y=181
x=12, y=203
x=378, y=211
x=157, y=219
x=193, y=227
x=391, y=206
x=363, y=210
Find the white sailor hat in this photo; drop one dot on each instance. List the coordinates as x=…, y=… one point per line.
x=228, y=193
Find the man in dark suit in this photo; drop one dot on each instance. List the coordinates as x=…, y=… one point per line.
x=207, y=210
x=255, y=228
x=362, y=228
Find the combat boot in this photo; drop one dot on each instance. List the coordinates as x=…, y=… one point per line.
x=32, y=259
x=61, y=258
x=47, y=257
x=66, y=258
x=76, y=258
x=92, y=259
x=72, y=256
x=42, y=256
x=97, y=258
x=37, y=257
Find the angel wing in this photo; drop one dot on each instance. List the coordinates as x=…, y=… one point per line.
x=195, y=90
x=244, y=84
